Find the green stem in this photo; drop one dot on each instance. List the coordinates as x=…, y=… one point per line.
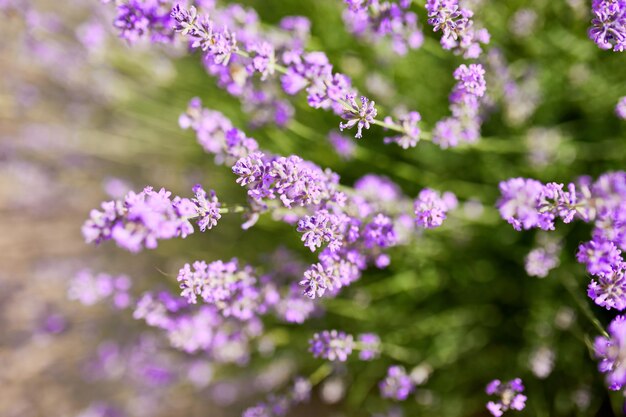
x=320, y=374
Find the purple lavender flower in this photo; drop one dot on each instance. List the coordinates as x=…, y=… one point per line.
x=471, y=80
x=331, y=345
x=369, y=346
x=263, y=59
x=510, y=393
x=141, y=220
x=322, y=227
x=136, y=19
x=540, y=261
x=294, y=308
x=289, y=179
x=600, y=256
x=457, y=27
x=620, y=108
x=609, y=291
x=608, y=28
x=89, y=288
x=215, y=133
x=379, y=232
x=218, y=45
x=224, y=284
x=208, y=209
x=359, y=116
x=411, y=130
x=610, y=351
x=376, y=20
x=343, y=145
x=430, y=208
x=301, y=390
x=378, y=188
x=519, y=204
x=465, y=100
x=397, y=385
x=317, y=279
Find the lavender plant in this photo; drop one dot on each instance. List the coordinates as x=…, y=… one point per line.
x=335, y=273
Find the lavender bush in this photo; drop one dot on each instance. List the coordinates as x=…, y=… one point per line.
x=323, y=208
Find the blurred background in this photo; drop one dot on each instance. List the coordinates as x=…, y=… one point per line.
x=84, y=117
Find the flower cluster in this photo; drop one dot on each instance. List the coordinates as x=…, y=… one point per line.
x=510, y=396
x=138, y=19
x=89, y=288
x=223, y=284
x=377, y=20
x=142, y=219
x=216, y=134
x=457, y=27
x=464, y=124
x=397, y=384
x=410, y=130
x=608, y=25
x=610, y=350
x=203, y=329
x=331, y=345
x=540, y=261
x=431, y=207
x=527, y=203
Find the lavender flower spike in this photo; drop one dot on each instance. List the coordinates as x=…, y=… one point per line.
x=610, y=351
x=431, y=208
x=359, y=116
x=332, y=345
x=397, y=385
x=510, y=393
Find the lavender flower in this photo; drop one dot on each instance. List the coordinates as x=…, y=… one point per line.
x=397, y=385
x=137, y=19
x=216, y=134
x=610, y=351
x=289, y=179
x=207, y=209
x=343, y=145
x=359, y=116
x=471, y=80
x=331, y=345
x=379, y=232
x=218, y=45
x=600, y=256
x=294, y=308
x=376, y=20
x=369, y=346
x=519, y=204
x=620, y=108
x=609, y=291
x=431, y=208
x=227, y=286
x=141, y=220
x=317, y=279
x=89, y=288
x=457, y=27
x=411, y=135
x=608, y=28
x=322, y=227
x=510, y=393
x=464, y=125
x=540, y=261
